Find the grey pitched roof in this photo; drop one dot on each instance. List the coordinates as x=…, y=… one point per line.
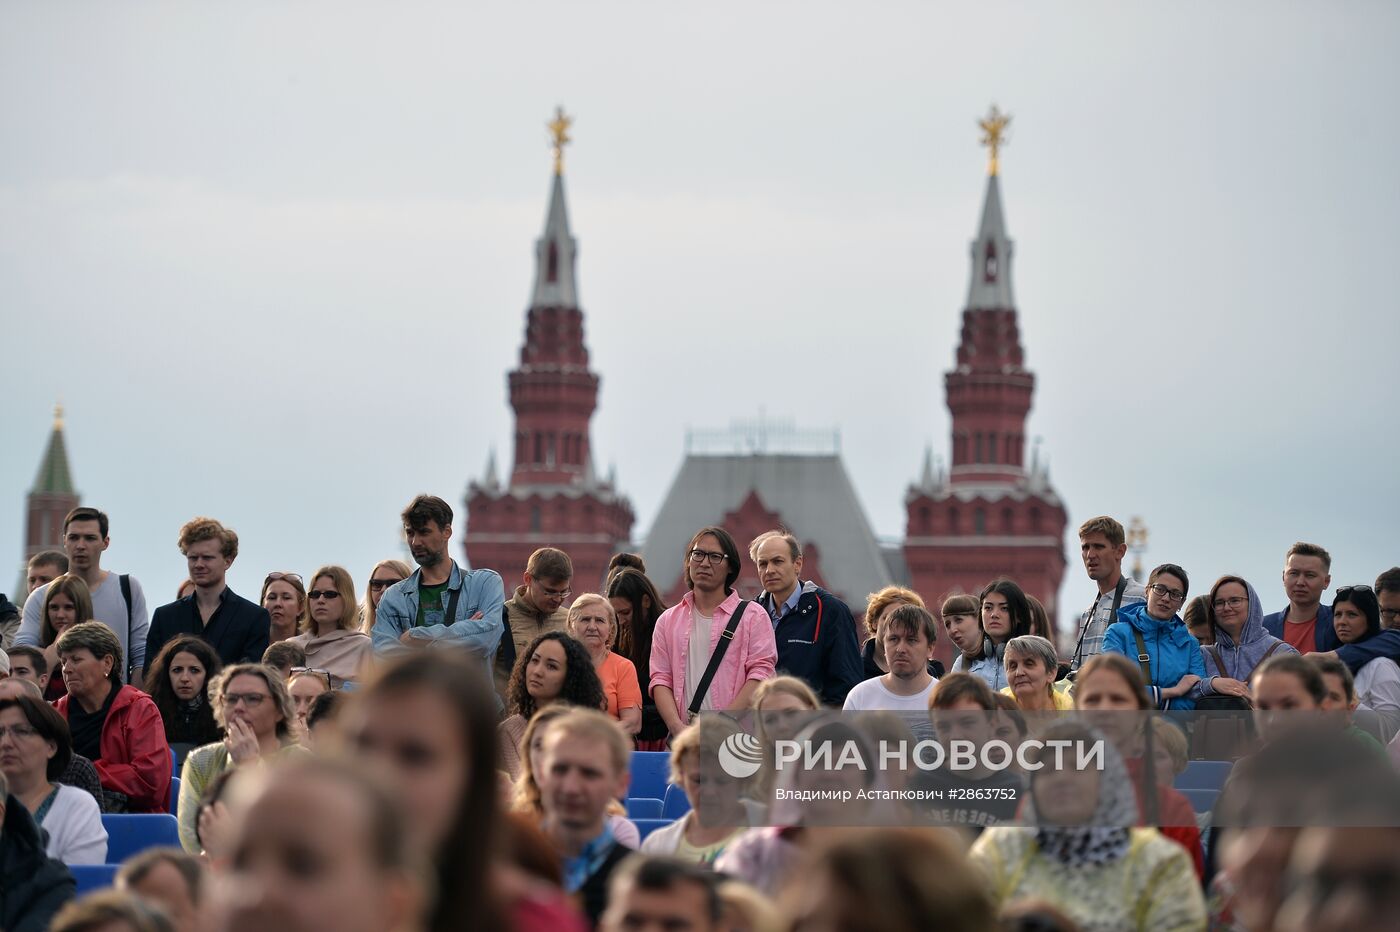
x=990, y=288
x=812, y=493
x=555, y=287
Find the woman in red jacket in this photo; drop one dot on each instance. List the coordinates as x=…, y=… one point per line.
x=117, y=727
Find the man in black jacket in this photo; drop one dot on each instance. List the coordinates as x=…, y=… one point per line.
x=236, y=628
x=33, y=886
x=815, y=631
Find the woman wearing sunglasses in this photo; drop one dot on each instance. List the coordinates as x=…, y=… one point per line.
x=1173, y=666
x=1356, y=617
x=284, y=597
x=331, y=636
x=384, y=575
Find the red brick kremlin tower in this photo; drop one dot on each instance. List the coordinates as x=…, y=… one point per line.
x=554, y=497
x=989, y=514
x=48, y=503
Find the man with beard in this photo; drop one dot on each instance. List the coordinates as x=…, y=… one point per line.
x=441, y=604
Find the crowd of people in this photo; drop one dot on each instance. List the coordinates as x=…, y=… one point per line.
x=430, y=754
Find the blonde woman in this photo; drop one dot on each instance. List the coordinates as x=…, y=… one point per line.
x=593, y=623
x=331, y=636
x=284, y=597
x=384, y=575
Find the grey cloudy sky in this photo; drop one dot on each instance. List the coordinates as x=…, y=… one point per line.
x=275, y=258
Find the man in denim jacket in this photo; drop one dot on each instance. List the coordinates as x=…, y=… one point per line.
x=413, y=612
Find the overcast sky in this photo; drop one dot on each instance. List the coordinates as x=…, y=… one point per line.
x=275, y=257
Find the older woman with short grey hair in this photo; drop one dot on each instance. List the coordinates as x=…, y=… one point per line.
x=117, y=727
x=1031, y=664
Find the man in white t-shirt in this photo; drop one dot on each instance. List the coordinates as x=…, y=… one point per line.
x=909, y=635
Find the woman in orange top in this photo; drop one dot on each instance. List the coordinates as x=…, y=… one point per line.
x=593, y=623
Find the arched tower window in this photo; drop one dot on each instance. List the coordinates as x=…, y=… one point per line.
x=1008, y=520
x=551, y=262
x=954, y=524
x=989, y=263
x=979, y=522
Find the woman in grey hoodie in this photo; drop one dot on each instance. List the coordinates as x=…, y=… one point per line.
x=1237, y=617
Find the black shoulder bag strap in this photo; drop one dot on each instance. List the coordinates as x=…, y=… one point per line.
x=717, y=657
x=125, y=580
x=450, y=616
x=1144, y=660
x=1118, y=591
x=505, y=653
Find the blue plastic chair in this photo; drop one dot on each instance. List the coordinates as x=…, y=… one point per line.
x=1204, y=775
x=650, y=773
x=175, y=796
x=92, y=877
x=1201, y=800
x=646, y=826
x=675, y=804
x=640, y=807
x=132, y=833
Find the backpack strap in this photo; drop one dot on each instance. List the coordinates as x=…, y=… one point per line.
x=125, y=580
x=717, y=657
x=1143, y=659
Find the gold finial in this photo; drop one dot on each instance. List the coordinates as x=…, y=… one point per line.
x=1137, y=543
x=993, y=134
x=58, y=416
x=559, y=129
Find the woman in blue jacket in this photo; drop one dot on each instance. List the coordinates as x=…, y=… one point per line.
x=1173, y=665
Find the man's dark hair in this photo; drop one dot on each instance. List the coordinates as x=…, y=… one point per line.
x=662, y=875
x=1304, y=549
x=425, y=508
x=726, y=544
x=324, y=706
x=49, y=558
x=284, y=656
x=37, y=660
x=1389, y=581
x=1330, y=664
x=913, y=618
x=189, y=867
x=84, y=513
x=550, y=564
x=955, y=687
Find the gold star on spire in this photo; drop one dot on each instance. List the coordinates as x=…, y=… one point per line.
x=559, y=130
x=993, y=134
x=58, y=416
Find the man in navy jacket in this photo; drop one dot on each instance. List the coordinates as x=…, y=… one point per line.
x=236, y=628
x=815, y=631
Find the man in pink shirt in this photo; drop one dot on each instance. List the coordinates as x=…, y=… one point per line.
x=687, y=635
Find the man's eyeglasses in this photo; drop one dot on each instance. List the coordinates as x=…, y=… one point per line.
x=699, y=556
x=1236, y=602
x=273, y=577
x=18, y=731
x=251, y=700
x=382, y=583
x=556, y=593
x=316, y=594
x=1176, y=595
x=1392, y=613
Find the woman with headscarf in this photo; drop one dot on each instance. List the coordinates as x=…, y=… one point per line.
x=1079, y=851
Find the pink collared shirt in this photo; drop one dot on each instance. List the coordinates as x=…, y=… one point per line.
x=752, y=656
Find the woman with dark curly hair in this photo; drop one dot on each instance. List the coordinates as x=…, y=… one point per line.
x=554, y=668
x=179, y=683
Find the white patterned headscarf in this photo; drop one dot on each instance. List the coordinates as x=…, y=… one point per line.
x=1105, y=836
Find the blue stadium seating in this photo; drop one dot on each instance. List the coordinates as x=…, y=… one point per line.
x=647, y=826
x=650, y=773
x=132, y=833
x=174, y=795
x=675, y=804
x=1201, y=800
x=1204, y=775
x=92, y=877
x=640, y=807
